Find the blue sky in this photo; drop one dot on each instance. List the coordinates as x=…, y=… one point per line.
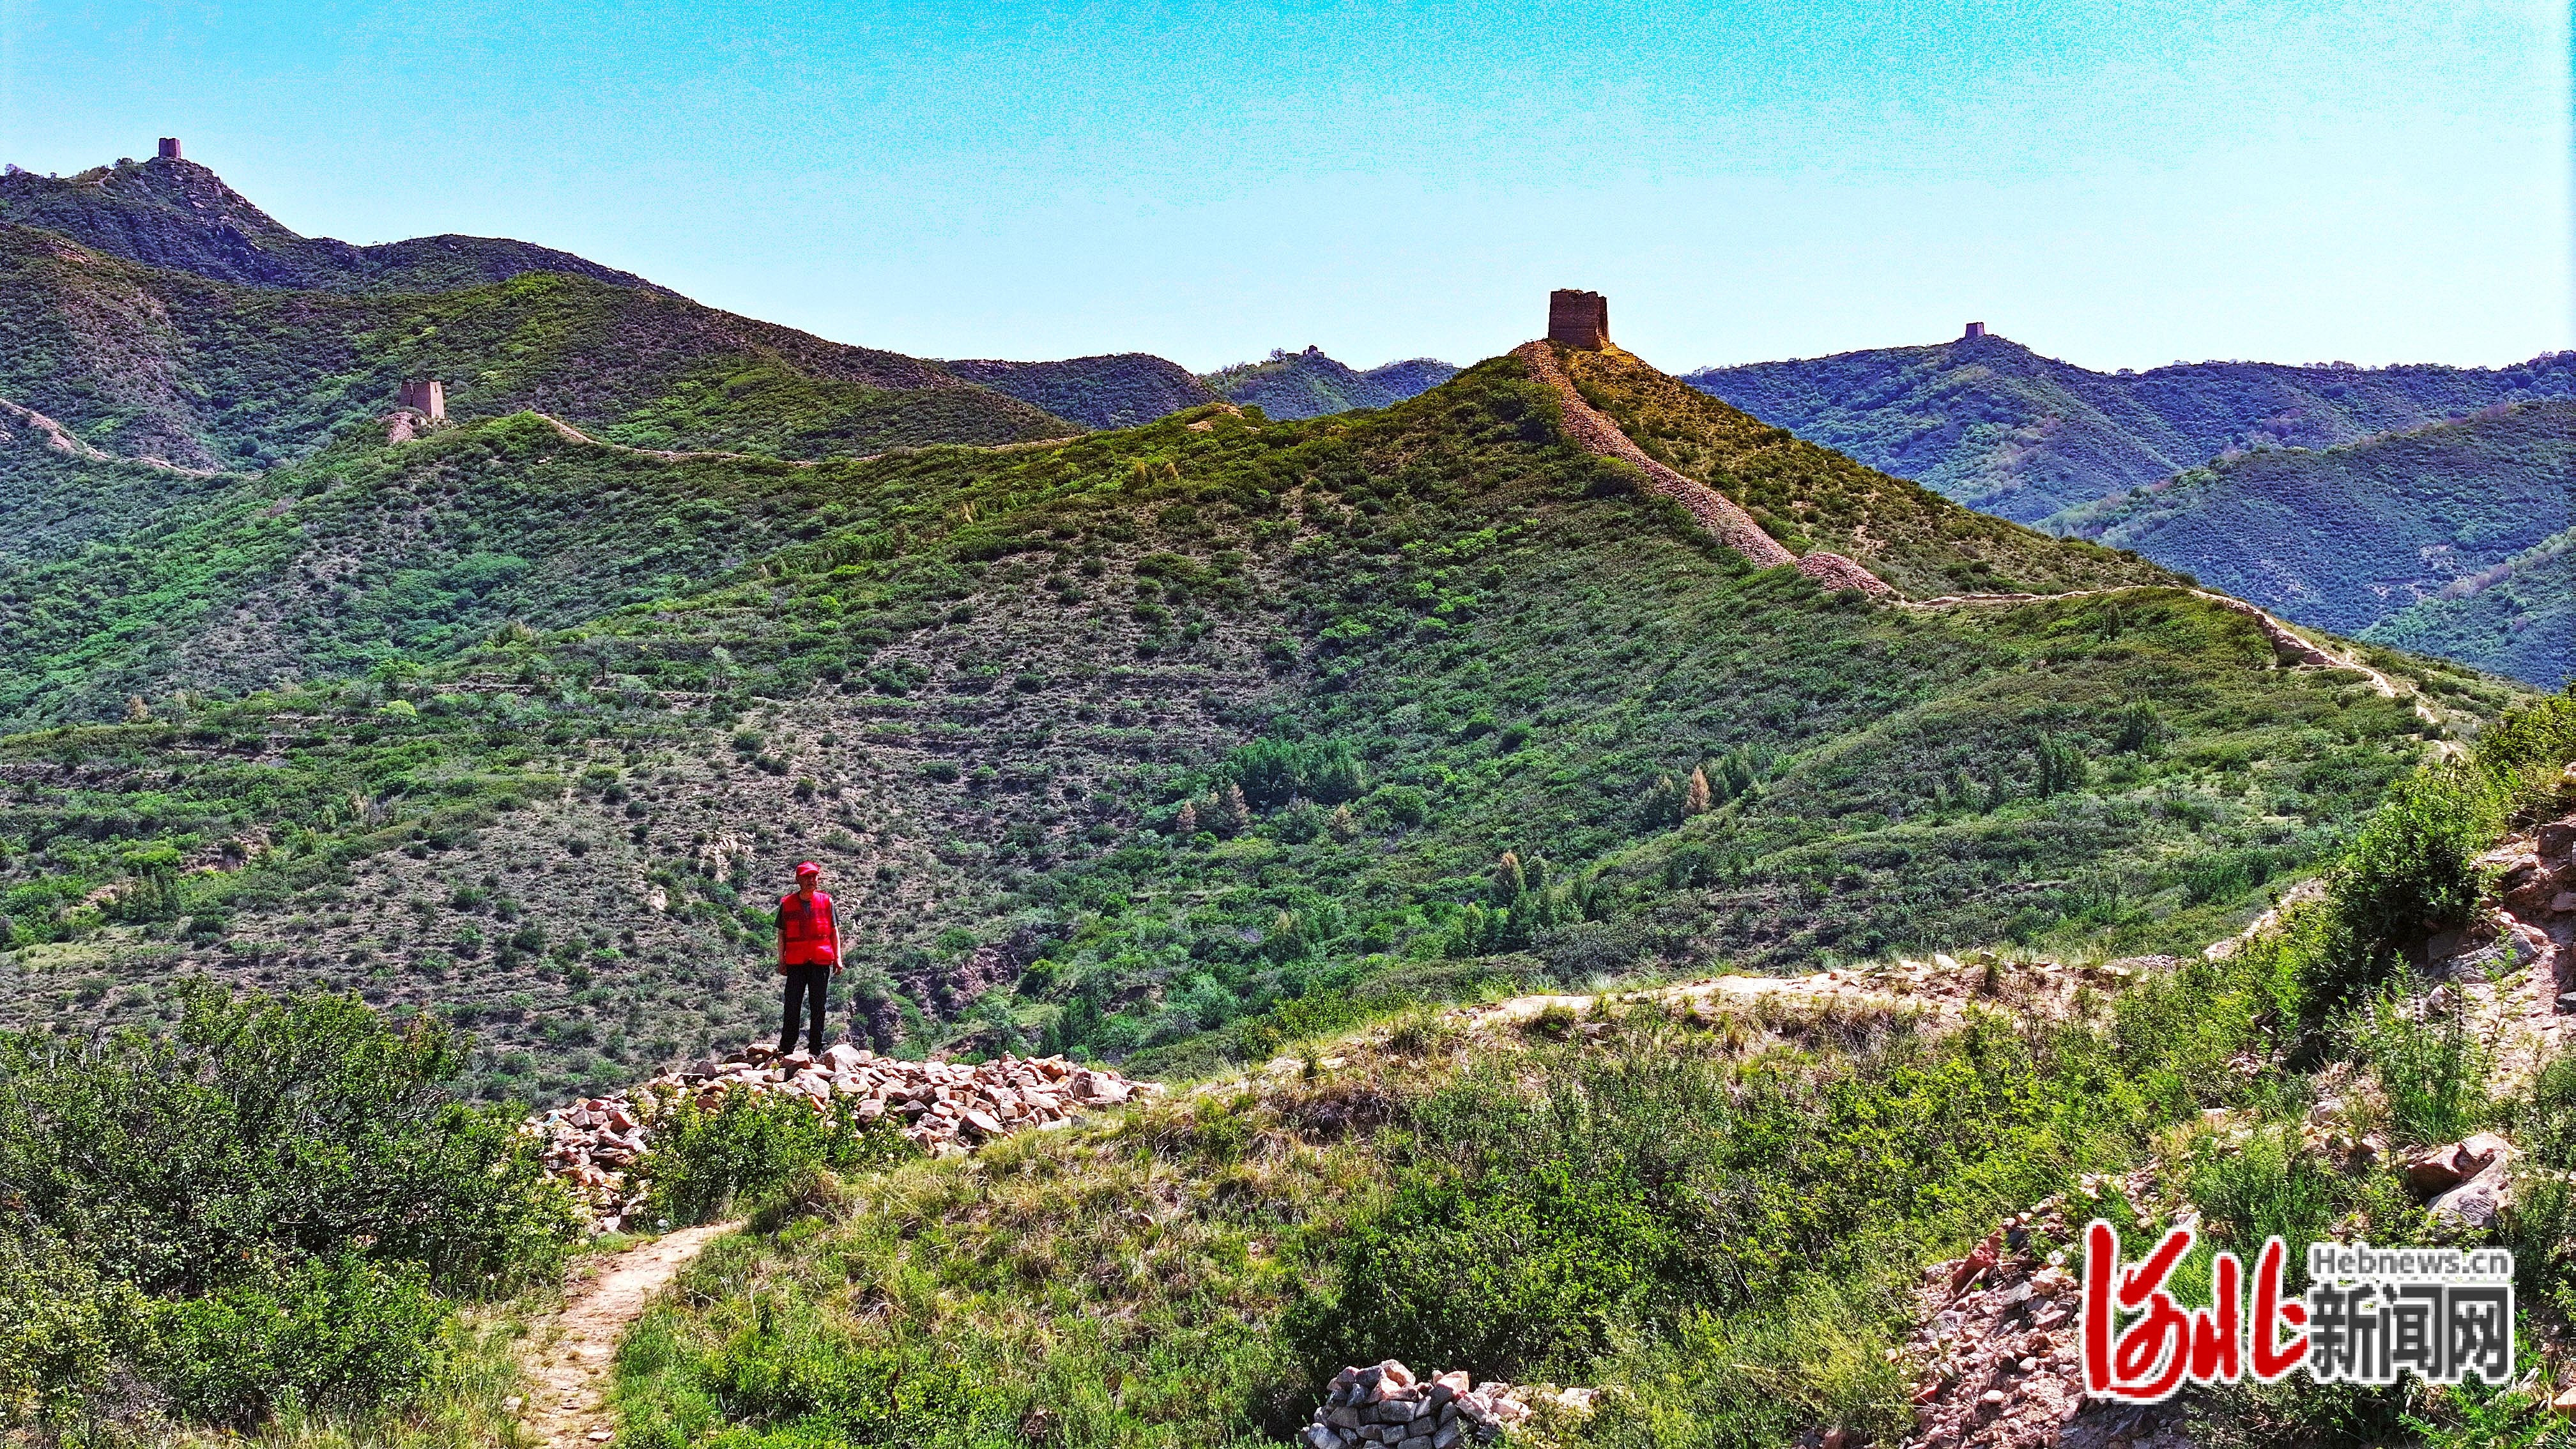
x=2120, y=184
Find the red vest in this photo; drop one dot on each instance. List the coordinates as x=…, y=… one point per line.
x=806, y=934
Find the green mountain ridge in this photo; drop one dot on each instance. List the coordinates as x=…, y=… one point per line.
x=1991, y=423
x=2354, y=538
x=1370, y=653
x=181, y=216
x=144, y=359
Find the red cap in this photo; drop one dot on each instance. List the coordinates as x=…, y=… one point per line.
x=806, y=868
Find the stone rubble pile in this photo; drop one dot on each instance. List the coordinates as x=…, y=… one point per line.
x=1384, y=1404
x=1996, y=1347
x=594, y=1145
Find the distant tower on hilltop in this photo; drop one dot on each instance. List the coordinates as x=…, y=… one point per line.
x=425, y=396
x=1578, y=319
x=1975, y=331
x=169, y=148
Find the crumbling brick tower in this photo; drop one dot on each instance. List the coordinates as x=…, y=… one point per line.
x=425, y=396
x=169, y=148
x=1578, y=319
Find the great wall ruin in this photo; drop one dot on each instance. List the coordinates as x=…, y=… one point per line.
x=1581, y=320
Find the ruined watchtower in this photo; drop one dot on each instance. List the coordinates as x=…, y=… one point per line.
x=1975, y=331
x=425, y=396
x=169, y=148
x=1578, y=319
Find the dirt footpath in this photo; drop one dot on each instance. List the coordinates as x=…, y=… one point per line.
x=569, y=1354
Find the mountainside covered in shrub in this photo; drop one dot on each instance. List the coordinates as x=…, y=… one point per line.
x=1735, y=1224
x=1810, y=497
x=2516, y=617
x=2354, y=537
x=1150, y=744
x=2000, y=428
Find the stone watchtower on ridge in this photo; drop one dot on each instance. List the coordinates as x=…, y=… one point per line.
x=425, y=396
x=169, y=148
x=1578, y=319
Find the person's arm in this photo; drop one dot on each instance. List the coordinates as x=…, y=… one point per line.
x=832, y=923
x=782, y=936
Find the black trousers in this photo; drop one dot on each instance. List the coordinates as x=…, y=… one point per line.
x=808, y=986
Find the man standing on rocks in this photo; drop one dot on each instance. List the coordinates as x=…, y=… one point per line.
x=809, y=955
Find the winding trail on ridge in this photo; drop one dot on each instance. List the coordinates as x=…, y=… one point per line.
x=1596, y=433
x=568, y=1354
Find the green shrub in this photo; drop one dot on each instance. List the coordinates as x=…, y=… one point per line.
x=334, y=1336
x=276, y=1200
x=2431, y=1065
x=64, y=1329
x=1531, y=1273
x=748, y=1145
x=260, y=1126
x=2262, y=1187
x=2412, y=871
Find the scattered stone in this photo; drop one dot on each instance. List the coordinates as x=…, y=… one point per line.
x=1383, y=1406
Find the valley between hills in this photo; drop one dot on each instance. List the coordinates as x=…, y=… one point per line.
x=1406, y=775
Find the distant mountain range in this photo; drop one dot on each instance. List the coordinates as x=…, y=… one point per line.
x=2449, y=539
x=156, y=312
x=1123, y=389
x=1309, y=385
x=2000, y=428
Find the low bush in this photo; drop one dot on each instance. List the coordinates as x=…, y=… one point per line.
x=333, y=1336
x=2431, y=1065
x=273, y=1128
x=278, y=1202
x=706, y=1160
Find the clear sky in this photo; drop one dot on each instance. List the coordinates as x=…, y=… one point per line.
x=2119, y=184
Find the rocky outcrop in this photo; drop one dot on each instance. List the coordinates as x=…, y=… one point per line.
x=1385, y=1405
x=1591, y=430
x=2469, y=1183
x=595, y=1145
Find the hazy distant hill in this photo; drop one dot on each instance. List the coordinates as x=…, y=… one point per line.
x=2449, y=539
x=1118, y=390
x=2344, y=537
x=180, y=215
x=2517, y=617
x=1309, y=385
x=2000, y=428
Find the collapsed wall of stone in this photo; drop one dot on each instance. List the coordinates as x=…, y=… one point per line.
x=594, y=1145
